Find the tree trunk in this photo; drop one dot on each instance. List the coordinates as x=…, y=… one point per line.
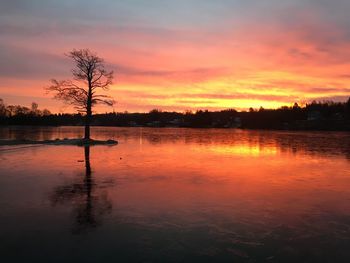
x=87, y=126
x=88, y=112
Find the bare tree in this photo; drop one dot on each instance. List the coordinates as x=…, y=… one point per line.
x=2, y=108
x=89, y=77
x=35, y=109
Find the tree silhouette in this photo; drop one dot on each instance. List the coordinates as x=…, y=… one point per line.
x=3, y=109
x=89, y=77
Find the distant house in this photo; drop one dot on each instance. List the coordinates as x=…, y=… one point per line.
x=234, y=123
x=154, y=124
x=133, y=124
x=237, y=122
x=314, y=116
x=176, y=122
x=338, y=116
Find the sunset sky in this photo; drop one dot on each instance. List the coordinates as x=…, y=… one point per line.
x=181, y=55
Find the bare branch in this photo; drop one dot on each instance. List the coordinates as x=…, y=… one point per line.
x=90, y=71
x=109, y=102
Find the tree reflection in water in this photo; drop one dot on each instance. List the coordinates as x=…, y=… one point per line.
x=85, y=195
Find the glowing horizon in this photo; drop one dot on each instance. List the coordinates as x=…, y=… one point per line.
x=183, y=55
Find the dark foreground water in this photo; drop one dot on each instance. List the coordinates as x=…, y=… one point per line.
x=176, y=195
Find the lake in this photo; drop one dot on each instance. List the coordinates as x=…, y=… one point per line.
x=175, y=195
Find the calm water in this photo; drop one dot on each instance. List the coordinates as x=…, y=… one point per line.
x=176, y=195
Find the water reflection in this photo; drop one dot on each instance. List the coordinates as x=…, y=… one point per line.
x=222, y=140
x=84, y=194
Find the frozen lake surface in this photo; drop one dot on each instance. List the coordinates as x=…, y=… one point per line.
x=175, y=195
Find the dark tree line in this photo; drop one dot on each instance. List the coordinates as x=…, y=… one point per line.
x=314, y=116
x=326, y=115
x=8, y=111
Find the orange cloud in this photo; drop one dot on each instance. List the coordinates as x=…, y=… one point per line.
x=241, y=65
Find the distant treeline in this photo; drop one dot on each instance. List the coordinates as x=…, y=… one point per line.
x=325, y=115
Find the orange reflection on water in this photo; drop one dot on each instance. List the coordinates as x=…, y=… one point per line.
x=235, y=186
x=243, y=150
